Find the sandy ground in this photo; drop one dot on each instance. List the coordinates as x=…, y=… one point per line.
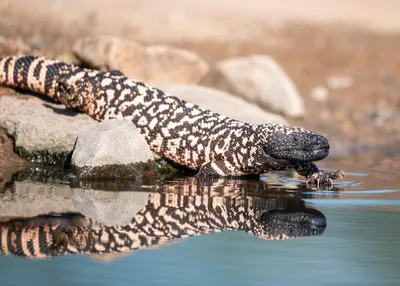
x=314, y=42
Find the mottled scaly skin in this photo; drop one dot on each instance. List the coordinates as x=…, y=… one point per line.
x=178, y=130
x=166, y=218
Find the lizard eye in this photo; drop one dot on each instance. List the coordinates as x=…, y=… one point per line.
x=295, y=139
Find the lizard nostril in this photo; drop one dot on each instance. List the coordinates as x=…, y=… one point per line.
x=319, y=140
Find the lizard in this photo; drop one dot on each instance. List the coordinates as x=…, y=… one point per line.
x=180, y=131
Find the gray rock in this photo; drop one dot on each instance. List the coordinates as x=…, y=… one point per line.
x=221, y=102
x=257, y=79
x=38, y=126
x=8, y=159
x=153, y=63
x=113, y=53
x=169, y=64
x=113, y=148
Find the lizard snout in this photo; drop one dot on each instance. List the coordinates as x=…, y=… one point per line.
x=319, y=141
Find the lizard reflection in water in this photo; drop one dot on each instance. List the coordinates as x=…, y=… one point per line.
x=178, y=211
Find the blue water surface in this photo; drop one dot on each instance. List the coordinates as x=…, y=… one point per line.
x=359, y=247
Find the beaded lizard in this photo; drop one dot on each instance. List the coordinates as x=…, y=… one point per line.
x=180, y=131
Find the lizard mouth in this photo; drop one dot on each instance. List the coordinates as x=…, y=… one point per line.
x=302, y=155
x=313, y=155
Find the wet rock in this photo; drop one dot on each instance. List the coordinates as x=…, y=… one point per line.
x=43, y=132
x=112, y=149
x=221, y=102
x=258, y=79
x=319, y=93
x=154, y=63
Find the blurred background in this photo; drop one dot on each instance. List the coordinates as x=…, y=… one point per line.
x=174, y=19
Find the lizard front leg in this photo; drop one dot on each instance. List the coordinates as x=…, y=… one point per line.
x=316, y=176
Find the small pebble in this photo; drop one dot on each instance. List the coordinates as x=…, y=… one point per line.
x=339, y=82
x=383, y=116
x=36, y=44
x=320, y=93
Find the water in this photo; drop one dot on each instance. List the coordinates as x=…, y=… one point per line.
x=359, y=245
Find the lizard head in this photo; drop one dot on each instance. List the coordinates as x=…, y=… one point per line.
x=292, y=143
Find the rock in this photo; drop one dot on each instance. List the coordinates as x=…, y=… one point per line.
x=43, y=132
x=111, y=149
x=111, y=53
x=319, y=93
x=36, y=43
x=339, y=82
x=154, y=63
x=221, y=102
x=258, y=79
x=10, y=163
x=7, y=156
x=169, y=64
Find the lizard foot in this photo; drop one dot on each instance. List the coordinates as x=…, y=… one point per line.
x=325, y=178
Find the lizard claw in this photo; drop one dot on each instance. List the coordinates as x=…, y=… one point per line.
x=325, y=178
